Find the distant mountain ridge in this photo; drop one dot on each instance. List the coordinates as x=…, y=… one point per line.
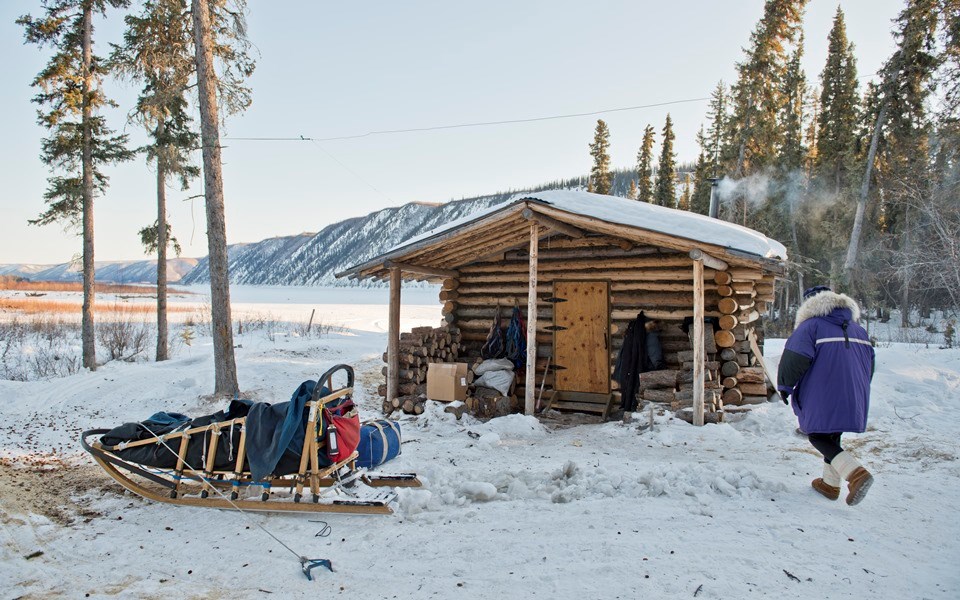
x=129, y=271
x=310, y=259
x=313, y=261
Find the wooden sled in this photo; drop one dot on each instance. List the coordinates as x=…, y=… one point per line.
x=339, y=487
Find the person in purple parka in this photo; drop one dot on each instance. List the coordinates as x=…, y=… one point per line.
x=826, y=367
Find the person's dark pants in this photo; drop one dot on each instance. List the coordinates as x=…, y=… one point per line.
x=828, y=444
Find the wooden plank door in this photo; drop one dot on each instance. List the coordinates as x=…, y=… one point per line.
x=581, y=319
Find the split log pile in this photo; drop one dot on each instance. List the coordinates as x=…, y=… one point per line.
x=418, y=348
x=487, y=403
x=744, y=295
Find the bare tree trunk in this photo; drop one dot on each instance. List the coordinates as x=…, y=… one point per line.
x=162, y=351
x=907, y=253
x=89, y=292
x=224, y=362
x=796, y=242
x=855, y=233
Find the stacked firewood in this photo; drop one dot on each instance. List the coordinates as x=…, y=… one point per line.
x=740, y=339
x=659, y=386
x=712, y=402
x=488, y=403
x=674, y=386
x=418, y=348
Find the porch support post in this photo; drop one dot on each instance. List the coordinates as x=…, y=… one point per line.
x=531, y=385
x=698, y=349
x=393, y=336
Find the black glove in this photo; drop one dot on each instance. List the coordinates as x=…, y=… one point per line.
x=785, y=397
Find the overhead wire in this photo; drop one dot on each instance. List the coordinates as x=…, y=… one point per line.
x=303, y=138
x=316, y=140
x=466, y=125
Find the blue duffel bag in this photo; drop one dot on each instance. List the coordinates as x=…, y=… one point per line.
x=379, y=442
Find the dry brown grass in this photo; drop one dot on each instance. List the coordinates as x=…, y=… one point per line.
x=23, y=285
x=72, y=286
x=33, y=306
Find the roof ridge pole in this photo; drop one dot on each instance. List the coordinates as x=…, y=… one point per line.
x=530, y=384
x=393, y=336
x=698, y=339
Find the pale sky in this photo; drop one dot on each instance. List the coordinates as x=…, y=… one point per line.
x=341, y=69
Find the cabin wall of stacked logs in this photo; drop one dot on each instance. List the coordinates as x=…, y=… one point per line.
x=655, y=280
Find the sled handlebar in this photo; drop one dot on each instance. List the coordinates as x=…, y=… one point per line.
x=327, y=379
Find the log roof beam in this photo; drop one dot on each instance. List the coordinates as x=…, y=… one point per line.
x=551, y=223
x=708, y=261
x=421, y=270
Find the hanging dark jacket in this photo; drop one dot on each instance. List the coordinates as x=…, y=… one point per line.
x=495, y=346
x=631, y=361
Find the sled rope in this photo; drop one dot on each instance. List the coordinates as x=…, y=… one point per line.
x=306, y=564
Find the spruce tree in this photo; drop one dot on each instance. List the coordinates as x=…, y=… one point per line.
x=80, y=143
x=156, y=51
x=839, y=102
x=901, y=118
x=666, y=189
x=644, y=166
x=758, y=97
x=907, y=149
x=792, y=150
x=812, y=133
x=700, y=198
x=905, y=175
x=718, y=134
x=948, y=117
x=601, y=179
x=632, y=193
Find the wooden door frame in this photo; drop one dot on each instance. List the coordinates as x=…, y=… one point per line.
x=606, y=281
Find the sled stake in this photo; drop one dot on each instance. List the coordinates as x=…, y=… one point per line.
x=308, y=564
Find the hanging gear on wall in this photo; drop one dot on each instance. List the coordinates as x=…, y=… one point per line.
x=494, y=346
x=516, y=349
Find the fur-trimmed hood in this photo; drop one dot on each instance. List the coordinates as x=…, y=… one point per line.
x=825, y=303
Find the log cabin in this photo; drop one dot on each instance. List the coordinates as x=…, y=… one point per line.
x=581, y=266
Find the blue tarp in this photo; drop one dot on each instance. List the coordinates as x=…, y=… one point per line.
x=273, y=429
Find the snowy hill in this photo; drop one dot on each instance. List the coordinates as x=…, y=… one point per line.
x=135, y=271
x=301, y=260
x=312, y=260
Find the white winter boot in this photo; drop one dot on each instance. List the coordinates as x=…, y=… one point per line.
x=829, y=484
x=858, y=479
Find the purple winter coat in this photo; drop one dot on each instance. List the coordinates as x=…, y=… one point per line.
x=827, y=365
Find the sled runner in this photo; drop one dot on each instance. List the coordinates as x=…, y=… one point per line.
x=223, y=460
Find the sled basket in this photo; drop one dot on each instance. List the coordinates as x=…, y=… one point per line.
x=205, y=461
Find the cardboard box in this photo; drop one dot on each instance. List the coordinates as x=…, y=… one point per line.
x=447, y=381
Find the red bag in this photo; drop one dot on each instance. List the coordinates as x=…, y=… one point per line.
x=343, y=432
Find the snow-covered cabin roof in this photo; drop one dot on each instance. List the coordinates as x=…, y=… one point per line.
x=504, y=227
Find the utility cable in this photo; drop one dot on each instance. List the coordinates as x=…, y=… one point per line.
x=348, y=169
x=465, y=125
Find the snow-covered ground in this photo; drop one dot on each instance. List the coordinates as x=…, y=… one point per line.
x=511, y=508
